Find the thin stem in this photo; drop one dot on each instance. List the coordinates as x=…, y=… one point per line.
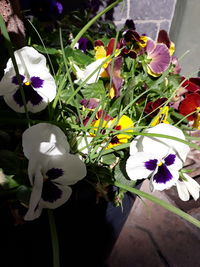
x=54, y=239
x=43, y=46
x=160, y=202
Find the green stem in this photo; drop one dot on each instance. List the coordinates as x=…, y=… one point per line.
x=54, y=239
x=123, y=146
x=160, y=202
x=11, y=52
x=87, y=26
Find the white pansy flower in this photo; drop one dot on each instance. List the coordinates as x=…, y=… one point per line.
x=38, y=84
x=187, y=187
x=161, y=145
x=51, y=177
x=51, y=168
x=82, y=75
x=159, y=159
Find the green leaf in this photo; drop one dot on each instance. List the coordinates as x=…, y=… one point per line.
x=114, y=108
x=46, y=50
x=95, y=90
x=77, y=56
x=8, y=161
x=120, y=174
x=108, y=159
x=10, y=182
x=23, y=194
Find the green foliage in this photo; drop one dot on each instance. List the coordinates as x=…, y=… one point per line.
x=77, y=56
x=95, y=90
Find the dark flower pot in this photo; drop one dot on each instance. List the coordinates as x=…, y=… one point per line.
x=86, y=230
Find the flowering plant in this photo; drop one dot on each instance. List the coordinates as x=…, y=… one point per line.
x=109, y=111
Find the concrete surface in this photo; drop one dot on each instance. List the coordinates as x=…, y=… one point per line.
x=155, y=237
x=185, y=33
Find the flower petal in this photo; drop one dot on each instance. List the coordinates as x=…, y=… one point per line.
x=136, y=166
x=164, y=178
x=34, y=212
x=43, y=138
x=192, y=186
x=11, y=102
x=82, y=75
x=48, y=89
x=162, y=146
x=182, y=191
x=26, y=58
x=160, y=59
x=73, y=168
x=66, y=193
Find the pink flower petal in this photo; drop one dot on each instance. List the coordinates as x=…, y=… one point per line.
x=160, y=59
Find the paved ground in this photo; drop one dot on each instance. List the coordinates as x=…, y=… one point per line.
x=154, y=237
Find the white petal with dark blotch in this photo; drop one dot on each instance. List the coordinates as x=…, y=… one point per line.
x=135, y=165
x=74, y=169
x=66, y=193
x=27, y=59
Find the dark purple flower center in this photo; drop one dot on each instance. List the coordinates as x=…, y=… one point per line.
x=169, y=160
x=50, y=191
x=151, y=164
x=31, y=95
x=163, y=175
x=54, y=173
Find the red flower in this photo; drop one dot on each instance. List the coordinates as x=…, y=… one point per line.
x=152, y=107
x=190, y=104
x=191, y=85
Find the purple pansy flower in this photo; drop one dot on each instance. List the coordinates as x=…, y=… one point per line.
x=159, y=57
x=90, y=103
x=159, y=159
x=82, y=44
x=38, y=84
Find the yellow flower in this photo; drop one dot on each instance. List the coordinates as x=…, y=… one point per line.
x=161, y=117
x=196, y=123
x=124, y=125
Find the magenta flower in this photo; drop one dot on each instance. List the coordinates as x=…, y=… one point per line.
x=159, y=57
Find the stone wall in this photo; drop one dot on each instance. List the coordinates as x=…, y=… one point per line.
x=149, y=15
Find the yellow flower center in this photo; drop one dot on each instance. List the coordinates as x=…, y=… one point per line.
x=160, y=163
x=27, y=83
x=100, y=52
